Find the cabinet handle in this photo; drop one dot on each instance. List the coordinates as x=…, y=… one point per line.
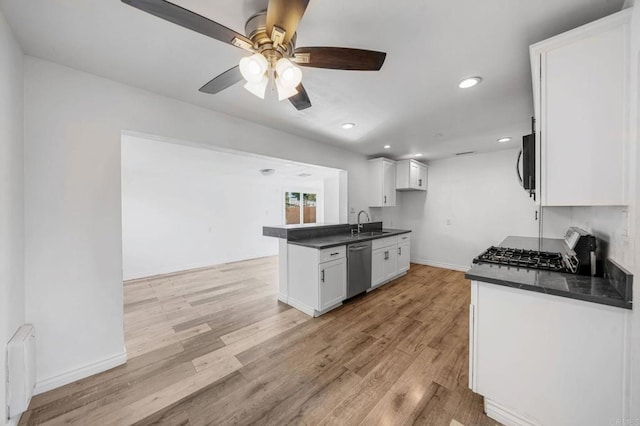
x=335, y=254
x=322, y=275
x=399, y=251
x=385, y=199
x=386, y=255
x=419, y=182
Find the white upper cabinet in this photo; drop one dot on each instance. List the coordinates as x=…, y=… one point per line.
x=411, y=175
x=382, y=179
x=581, y=100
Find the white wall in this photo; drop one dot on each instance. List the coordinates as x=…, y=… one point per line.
x=634, y=212
x=185, y=207
x=472, y=202
x=73, y=125
x=11, y=196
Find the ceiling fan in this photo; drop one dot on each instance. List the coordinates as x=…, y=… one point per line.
x=271, y=39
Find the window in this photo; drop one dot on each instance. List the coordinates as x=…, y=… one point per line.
x=309, y=211
x=296, y=212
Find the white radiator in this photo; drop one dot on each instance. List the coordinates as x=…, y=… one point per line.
x=21, y=370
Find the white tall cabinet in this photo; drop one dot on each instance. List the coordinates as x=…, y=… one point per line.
x=581, y=103
x=382, y=180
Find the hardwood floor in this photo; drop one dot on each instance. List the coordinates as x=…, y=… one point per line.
x=214, y=346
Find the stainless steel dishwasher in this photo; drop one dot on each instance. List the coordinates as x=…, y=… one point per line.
x=359, y=268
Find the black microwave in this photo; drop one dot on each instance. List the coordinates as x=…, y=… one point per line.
x=528, y=157
x=529, y=162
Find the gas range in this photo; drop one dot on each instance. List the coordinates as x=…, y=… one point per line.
x=523, y=258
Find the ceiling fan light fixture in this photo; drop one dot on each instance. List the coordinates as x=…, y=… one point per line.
x=289, y=75
x=259, y=88
x=285, y=92
x=254, y=67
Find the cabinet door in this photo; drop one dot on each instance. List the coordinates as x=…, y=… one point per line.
x=378, y=270
x=414, y=175
x=582, y=121
x=389, y=185
x=332, y=277
x=422, y=177
x=404, y=256
x=391, y=262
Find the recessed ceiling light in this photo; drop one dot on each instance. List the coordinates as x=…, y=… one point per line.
x=418, y=154
x=469, y=82
x=504, y=140
x=387, y=146
x=348, y=126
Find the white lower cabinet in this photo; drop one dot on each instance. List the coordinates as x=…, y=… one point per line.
x=539, y=359
x=317, y=279
x=404, y=257
x=384, y=265
x=390, y=258
x=333, y=283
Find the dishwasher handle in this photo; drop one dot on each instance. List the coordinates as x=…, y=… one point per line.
x=358, y=248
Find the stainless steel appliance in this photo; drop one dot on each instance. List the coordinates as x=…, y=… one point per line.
x=521, y=258
x=358, y=268
x=577, y=257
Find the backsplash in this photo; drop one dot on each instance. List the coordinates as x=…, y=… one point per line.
x=607, y=223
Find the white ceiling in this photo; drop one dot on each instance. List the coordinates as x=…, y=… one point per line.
x=149, y=156
x=413, y=103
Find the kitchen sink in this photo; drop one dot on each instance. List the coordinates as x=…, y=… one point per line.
x=371, y=233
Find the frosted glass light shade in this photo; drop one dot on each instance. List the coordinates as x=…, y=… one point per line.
x=284, y=92
x=258, y=88
x=289, y=75
x=253, y=67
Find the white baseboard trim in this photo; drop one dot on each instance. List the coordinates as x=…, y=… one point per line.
x=504, y=415
x=301, y=307
x=80, y=373
x=461, y=268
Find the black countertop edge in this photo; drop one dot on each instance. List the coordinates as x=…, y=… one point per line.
x=285, y=231
x=585, y=297
x=344, y=239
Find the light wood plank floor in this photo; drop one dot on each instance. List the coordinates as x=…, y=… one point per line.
x=214, y=346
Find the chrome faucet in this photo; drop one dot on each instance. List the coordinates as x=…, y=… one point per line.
x=360, y=225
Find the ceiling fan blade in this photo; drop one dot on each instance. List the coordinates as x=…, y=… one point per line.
x=191, y=20
x=285, y=14
x=224, y=80
x=340, y=58
x=301, y=99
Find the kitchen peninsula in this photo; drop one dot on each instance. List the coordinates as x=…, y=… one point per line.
x=313, y=262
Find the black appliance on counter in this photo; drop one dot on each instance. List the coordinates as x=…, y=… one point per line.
x=584, y=245
x=579, y=256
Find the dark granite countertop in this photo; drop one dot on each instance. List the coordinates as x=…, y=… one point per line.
x=321, y=236
x=604, y=291
x=342, y=239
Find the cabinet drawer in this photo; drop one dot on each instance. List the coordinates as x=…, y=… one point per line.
x=383, y=242
x=333, y=253
x=404, y=238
